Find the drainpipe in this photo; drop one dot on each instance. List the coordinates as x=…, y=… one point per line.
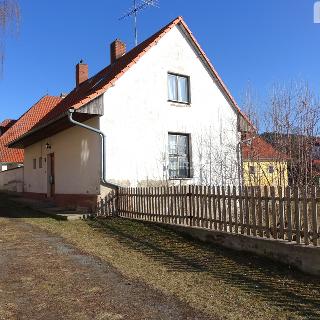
x=103, y=137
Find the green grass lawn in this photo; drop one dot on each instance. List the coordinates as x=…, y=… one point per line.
x=221, y=282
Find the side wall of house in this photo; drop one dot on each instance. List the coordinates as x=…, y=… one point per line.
x=77, y=165
x=138, y=117
x=12, y=179
x=8, y=166
x=260, y=174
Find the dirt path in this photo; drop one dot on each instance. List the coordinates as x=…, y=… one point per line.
x=42, y=277
x=125, y=269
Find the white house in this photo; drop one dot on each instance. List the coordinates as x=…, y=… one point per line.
x=165, y=113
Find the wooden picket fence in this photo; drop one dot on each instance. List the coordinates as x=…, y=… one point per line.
x=290, y=214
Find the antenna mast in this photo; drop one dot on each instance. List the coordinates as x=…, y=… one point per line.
x=133, y=12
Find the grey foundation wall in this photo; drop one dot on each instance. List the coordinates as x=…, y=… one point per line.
x=304, y=258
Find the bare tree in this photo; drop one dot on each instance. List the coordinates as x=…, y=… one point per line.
x=9, y=20
x=216, y=157
x=293, y=125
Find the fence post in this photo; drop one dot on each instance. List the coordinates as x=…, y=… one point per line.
x=253, y=211
x=305, y=216
x=229, y=208
x=260, y=231
x=235, y=209
x=297, y=213
x=281, y=218
x=214, y=207
x=289, y=217
x=273, y=212
x=266, y=210
x=191, y=205
x=314, y=211
x=247, y=210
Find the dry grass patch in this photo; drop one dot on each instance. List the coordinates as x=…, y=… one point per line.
x=218, y=281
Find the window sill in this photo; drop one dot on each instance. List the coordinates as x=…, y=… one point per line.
x=179, y=104
x=180, y=178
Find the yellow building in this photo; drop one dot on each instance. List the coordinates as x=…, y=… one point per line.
x=263, y=165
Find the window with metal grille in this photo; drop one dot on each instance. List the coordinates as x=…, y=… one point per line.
x=179, y=156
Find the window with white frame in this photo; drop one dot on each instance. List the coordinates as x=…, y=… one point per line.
x=178, y=88
x=179, y=156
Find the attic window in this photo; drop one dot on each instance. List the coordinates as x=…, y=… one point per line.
x=271, y=169
x=252, y=169
x=178, y=88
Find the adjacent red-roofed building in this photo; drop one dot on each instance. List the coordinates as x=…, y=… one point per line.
x=12, y=157
x=152, y=104
x=5, y=125
x=263, y=165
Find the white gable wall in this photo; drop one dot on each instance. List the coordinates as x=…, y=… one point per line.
x=138, y=117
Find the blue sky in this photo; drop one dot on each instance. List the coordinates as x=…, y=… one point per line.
x=249, y=41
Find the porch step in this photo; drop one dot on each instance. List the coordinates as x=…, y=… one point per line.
x=64, y=214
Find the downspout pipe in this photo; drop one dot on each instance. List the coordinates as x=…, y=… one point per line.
x=103, y=137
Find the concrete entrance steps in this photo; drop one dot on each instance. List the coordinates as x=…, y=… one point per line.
x=48, y=208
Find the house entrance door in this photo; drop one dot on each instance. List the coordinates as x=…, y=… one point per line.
x=51, y=175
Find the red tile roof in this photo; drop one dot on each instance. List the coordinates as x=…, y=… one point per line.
x=259, y=149
x=23, y=124
x=7, y=123
x=99, y=83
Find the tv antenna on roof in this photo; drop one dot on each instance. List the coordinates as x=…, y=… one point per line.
x=133, y=12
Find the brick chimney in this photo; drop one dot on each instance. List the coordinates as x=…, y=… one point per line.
x=81, y=73
x=117, y=50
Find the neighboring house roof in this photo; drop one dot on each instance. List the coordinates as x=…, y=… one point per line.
x=106, y=78
x=22, y=125
x=5, y=125
x=259, y=149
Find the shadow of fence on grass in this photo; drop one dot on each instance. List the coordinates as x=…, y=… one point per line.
x=277, y=284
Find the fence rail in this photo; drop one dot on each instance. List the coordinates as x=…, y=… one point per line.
x=290, y=214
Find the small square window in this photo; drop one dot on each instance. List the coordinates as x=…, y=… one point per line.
x=34, y=163
x=271, y=169
x=178, y=88
x=40, y=162
x=252, y=170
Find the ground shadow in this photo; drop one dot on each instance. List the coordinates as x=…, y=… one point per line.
x=275, y=283
x=11, y=209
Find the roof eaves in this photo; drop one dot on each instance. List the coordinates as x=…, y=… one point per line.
x=13, y=143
